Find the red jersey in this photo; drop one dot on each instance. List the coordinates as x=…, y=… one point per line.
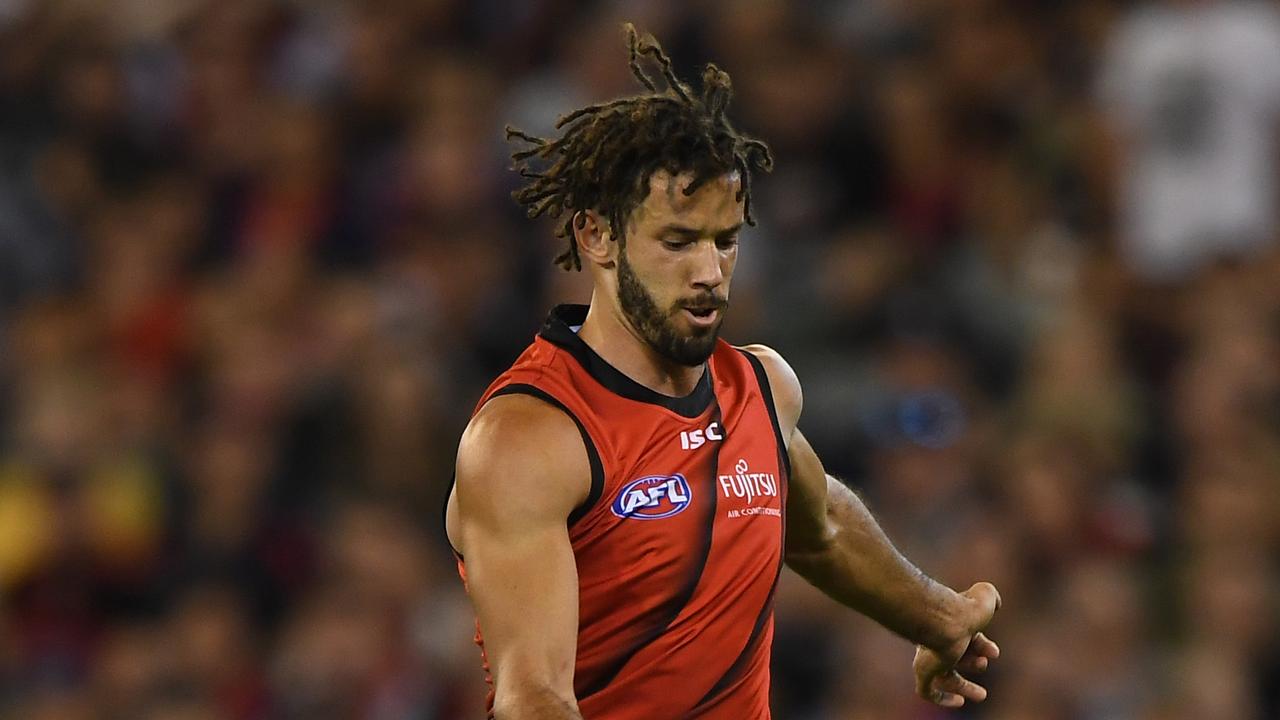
x=679, y=544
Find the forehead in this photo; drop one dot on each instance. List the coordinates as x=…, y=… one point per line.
x=715, y=202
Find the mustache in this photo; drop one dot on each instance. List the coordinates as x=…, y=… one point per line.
x=709, y=301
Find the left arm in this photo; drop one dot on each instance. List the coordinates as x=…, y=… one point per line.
x=834, y=542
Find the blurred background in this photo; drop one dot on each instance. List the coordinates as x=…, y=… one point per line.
x=258, y=259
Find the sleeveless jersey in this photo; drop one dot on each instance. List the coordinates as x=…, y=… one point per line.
x=679, y=544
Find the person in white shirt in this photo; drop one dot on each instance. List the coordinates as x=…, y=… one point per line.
x=1192, y=89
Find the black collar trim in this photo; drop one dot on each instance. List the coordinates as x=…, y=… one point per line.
x=559, y=330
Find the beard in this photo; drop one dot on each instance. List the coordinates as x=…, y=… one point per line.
x=658, y=328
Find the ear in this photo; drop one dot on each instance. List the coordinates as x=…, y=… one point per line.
x=595, y=240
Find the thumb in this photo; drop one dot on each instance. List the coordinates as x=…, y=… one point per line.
x=986, y=601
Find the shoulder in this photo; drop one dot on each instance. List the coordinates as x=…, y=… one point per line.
x=517, y=442
x=788, y=398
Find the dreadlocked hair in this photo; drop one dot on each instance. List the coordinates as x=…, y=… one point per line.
x=607, y=152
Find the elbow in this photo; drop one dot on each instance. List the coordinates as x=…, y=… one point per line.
x=819, y=539
x=811, y=552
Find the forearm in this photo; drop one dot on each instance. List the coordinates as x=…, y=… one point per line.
x=858, y=566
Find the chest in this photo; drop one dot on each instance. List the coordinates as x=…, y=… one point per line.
x=679, y=487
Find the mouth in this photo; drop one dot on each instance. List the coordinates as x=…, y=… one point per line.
x=703, y=316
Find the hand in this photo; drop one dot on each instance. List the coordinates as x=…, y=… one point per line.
x=939, y=677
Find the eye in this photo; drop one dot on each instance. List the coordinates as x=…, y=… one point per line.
x=675, y=243
x=727, y=242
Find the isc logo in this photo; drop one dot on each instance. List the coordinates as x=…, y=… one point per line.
x=694, y=439
x=653, y=497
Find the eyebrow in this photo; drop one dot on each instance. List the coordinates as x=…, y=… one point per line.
x=691, y=232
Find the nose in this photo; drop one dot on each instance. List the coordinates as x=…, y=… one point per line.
x=708, y=271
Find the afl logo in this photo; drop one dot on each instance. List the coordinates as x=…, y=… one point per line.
x=653, y=497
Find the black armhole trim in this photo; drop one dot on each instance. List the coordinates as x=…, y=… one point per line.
x=593, y=458
x=593, y=455
x=739, y=665
x=762, y=378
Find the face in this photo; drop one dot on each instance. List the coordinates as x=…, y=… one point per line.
x=676, y=262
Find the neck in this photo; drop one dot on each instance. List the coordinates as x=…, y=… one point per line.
x=613, y=338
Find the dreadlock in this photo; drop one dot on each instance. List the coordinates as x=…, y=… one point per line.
x=607, y=152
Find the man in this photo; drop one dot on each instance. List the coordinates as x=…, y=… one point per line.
x=625, y=492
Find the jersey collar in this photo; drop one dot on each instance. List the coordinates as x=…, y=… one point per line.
x=559, y=330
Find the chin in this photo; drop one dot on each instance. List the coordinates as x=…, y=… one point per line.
x=705, y=332
x=697, y=349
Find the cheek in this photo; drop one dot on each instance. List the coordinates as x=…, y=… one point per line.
x=657, y=275
x=663, y=270
x=665, y=289
x=727, y=265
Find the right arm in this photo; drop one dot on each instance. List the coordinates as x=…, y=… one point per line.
x=521, y=470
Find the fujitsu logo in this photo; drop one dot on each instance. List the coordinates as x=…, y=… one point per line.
x=694, y=439
x=746, y=484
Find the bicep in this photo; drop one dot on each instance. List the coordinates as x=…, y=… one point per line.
x=518, y=479
x=524, y=585
x=807, y=527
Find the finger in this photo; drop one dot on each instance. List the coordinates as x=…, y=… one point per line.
x=983, y=646
x=947, y=700
x=924, y=681
x=944, y=699
x=973, y=664
x=955, y=684
x=926, y=666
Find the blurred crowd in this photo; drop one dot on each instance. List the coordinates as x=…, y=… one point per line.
x=258, y=259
